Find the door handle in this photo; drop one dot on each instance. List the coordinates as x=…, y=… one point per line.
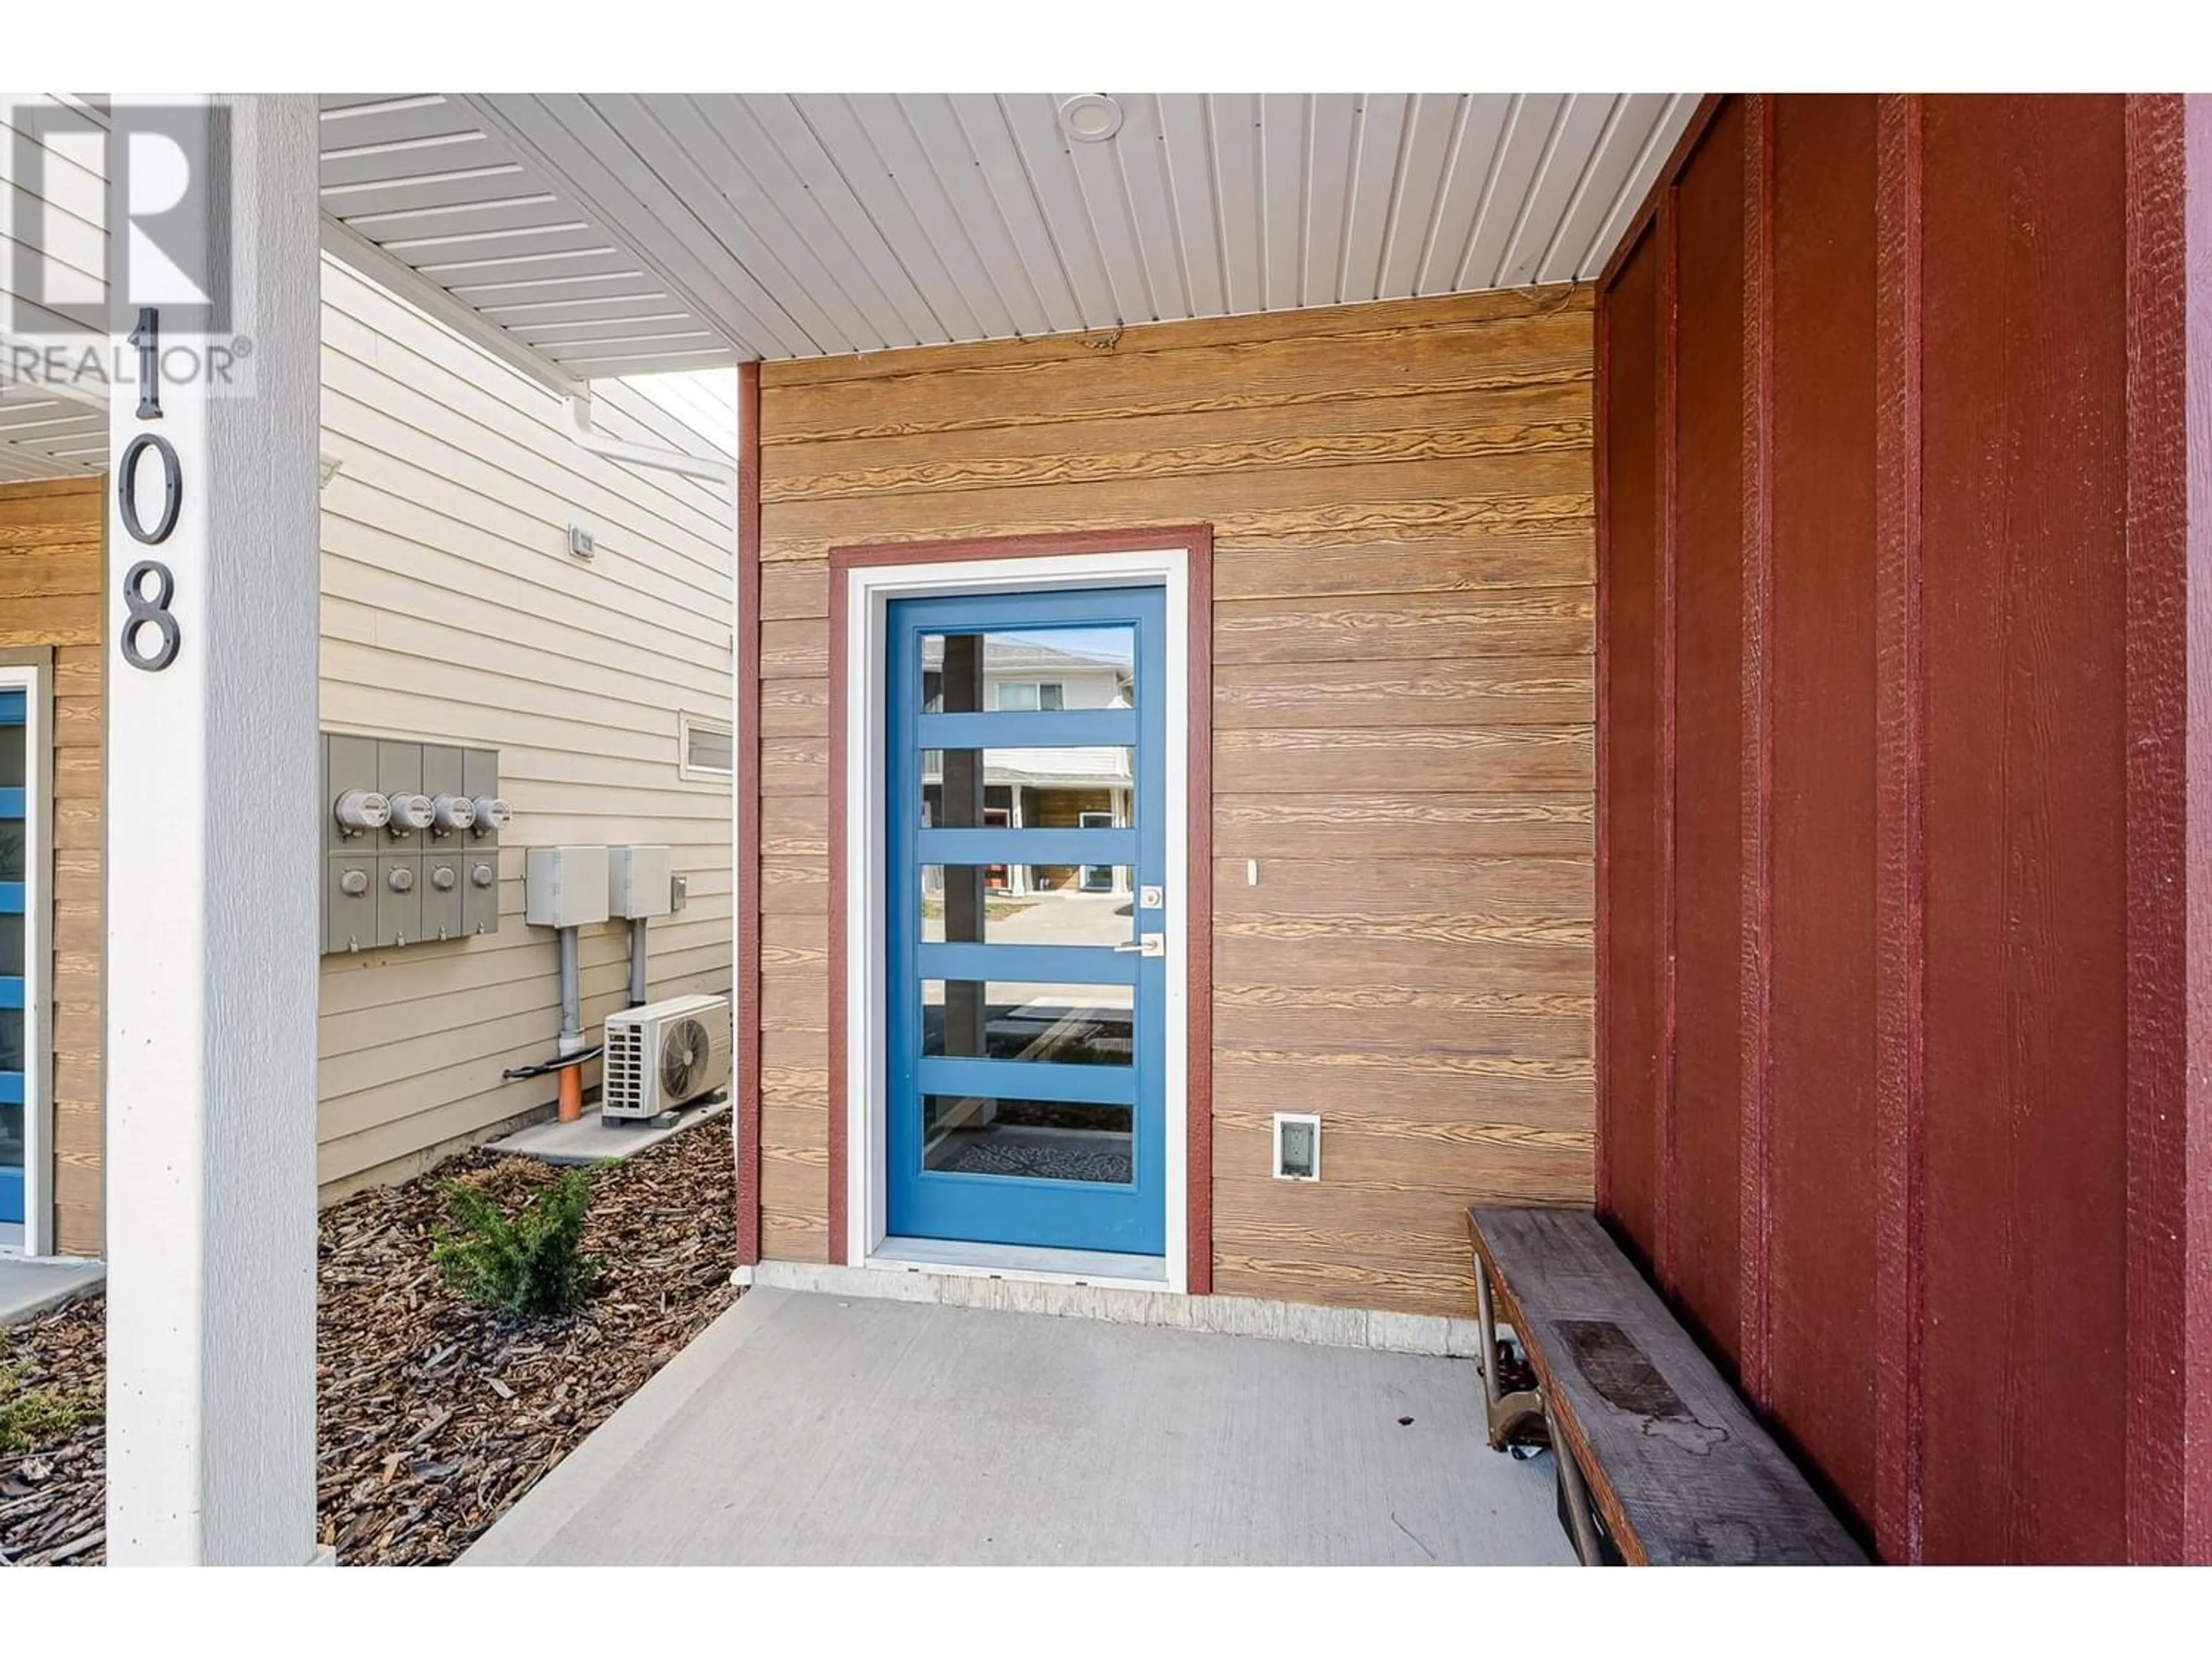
x=1145, y=944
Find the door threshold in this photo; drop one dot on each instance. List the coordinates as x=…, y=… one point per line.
x=947, y=1255
x=1148, y=1302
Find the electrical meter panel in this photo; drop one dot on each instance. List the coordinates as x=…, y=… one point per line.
x=410, y=842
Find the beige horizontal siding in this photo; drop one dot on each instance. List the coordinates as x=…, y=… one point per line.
x=453, y=612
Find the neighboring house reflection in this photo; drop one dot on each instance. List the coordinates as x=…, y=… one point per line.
x=1046, y=671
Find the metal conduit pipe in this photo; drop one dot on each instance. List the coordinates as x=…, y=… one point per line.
x=637, y=959
x=571, y=1000
x=571, y=1040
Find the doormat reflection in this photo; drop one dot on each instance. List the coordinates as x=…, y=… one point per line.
x=1037, y=1163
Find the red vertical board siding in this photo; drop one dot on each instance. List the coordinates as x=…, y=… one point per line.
x=2169, y=1244
x=1821, y=954
x=1900, y=871
x=1628, y=780
x=2158, y=721
x=2192, y=1115
x=1906, y=754
x=2158, y=822
x=1708, y=222
x=1755, y=1113
x=2024, y=358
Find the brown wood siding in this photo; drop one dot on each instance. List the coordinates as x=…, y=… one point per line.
x=1400, y=496
x=1926, y=1104
x=52, y=572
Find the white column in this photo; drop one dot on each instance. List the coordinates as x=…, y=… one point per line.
x=212, y=895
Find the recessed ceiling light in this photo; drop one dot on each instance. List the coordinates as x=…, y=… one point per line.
x=1091, y=118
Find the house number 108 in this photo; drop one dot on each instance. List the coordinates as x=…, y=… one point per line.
x=149, y=585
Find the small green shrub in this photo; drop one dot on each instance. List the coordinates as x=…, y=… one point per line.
x=531, y=1265
x=31, y=1417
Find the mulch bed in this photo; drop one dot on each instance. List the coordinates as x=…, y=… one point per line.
x=433, y=1416
x=53, y=1496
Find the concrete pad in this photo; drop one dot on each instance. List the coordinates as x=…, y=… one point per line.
x=816, y=1429
x=594, y=1140
x=29, y=1287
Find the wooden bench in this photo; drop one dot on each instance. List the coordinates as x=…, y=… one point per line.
x=1657, y=1454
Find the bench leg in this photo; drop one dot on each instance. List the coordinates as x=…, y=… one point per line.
x=1505, y=1411
x=1578, y=1505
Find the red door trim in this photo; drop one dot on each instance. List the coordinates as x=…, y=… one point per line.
x=747, y=985
x=1195, y=543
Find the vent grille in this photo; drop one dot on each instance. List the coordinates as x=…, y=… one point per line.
x=623, y=1081
x=709, y=747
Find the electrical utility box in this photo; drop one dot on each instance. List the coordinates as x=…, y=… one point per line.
x=638, y=884
x=565, y=886
x=410, y=842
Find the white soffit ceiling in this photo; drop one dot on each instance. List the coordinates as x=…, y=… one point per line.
x=46, y=429
x=49, y=433
x=418, y=194
x=629, y=234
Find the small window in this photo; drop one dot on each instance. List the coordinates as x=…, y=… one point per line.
x=1029, y=696
x=707, y=748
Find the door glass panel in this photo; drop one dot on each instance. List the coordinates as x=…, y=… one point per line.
x=1061, y=1024
x=11, y=1136
x=11, y=1039
x=1025, y=736
x=976, y=904
x=1028, y=1139
x=1029, y=668
x=1053, y=789
x=11, y=945
x=14, y=849
x=14, y=761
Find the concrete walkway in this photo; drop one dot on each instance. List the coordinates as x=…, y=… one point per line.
x=803, y=1429
x=29, y=1288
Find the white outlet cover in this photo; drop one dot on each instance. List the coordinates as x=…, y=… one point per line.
x=1297, y=1147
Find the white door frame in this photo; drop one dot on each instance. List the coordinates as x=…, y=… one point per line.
x=31, y=674
x=868, y=592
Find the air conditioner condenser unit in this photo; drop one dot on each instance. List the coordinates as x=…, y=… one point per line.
x=664, y=1055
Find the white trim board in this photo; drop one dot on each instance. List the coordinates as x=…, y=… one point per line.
x=869, y=590
x=1050, y=1266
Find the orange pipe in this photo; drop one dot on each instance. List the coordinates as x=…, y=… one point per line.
x=571, y=1093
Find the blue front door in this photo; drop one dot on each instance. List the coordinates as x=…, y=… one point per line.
x=1026, y=1068
x=15, y=891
